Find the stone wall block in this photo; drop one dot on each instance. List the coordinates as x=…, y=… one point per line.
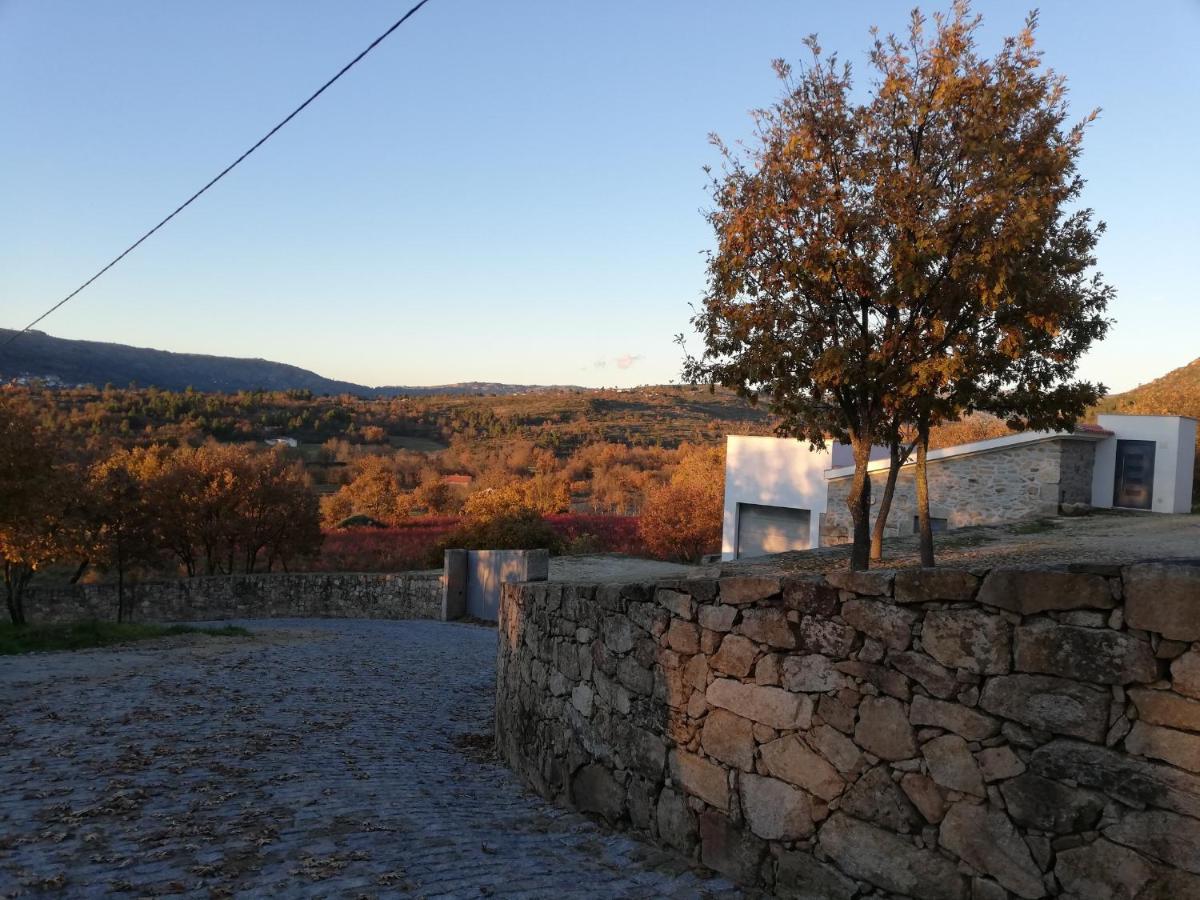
x=617, y=633
x=883, y=729
x=889, y=861
x=1164, y=598
x=923, y=792
x=821, y=635
x=1029, y=591
x=790, y=759
x=1167, y=837
x=1185, y=673
x=771, y=706
x=593, y=789
x=775, y=810
x=1166, y=708
x=810, y=594
x=700, y=777
x=932, y=676
x=1105, y=869
x=740, y=590
x=1056, y=705
x=683, y=637
x=1095, y=655
x=878, y=799
x=891, y=683
x=890, y=625
x=811, y=673
x=800, y=876
x=873, y=582
x=952, y=766
x=1179, y=748
x=962, y=720
x=678, y=603
x=968, y=639
x=1048, y=805
x=676, y=822
x=713, y=617
x=837, y=748
x=985, y=838
x=729, y=738
x=729, y=848
x=1139, y=782
x=735, y=656
x=768, y=626
x=935, y=585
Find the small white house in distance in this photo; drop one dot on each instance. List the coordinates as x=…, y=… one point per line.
x=780, y=495
x=282, y=442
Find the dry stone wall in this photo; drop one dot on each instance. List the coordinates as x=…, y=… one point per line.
x=978, y=489
x=937, y=734
x=408, y=595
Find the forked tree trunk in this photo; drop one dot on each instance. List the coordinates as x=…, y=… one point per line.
x=898, y=457
x=926, y=526
x=885, y=501
x=859, y=502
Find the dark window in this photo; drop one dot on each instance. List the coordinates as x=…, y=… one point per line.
x=935, y=524
x=1133, y=486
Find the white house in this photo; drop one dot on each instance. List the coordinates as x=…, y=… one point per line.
x=781, y=495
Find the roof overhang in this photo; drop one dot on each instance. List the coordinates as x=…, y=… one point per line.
x=988, y=446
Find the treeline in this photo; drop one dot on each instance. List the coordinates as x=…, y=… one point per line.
x=560, y=421
x=209, y=509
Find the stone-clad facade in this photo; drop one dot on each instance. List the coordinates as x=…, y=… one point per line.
x=939, y=734
x=985, y=488
x=407, y=595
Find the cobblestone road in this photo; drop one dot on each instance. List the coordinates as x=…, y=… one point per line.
x=318, y=759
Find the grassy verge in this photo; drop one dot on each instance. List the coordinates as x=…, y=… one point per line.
x=83, y=635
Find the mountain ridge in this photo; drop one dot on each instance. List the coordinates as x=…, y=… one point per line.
x=37, y=355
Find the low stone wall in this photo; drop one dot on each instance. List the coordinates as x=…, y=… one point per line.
x=407, y=595
x=938, y=734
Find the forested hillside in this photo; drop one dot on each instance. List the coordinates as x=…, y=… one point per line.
x=1176, y=393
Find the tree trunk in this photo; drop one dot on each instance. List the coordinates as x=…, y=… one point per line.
x=120, y=588
x=885, y=501
x=15, y=579
x=79, y=572
x=926, y=526
x=859, y=502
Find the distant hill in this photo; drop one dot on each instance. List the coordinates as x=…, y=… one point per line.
x=70, y=362
x=1176, y=393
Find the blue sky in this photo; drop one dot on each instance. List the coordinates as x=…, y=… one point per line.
x=502, y=191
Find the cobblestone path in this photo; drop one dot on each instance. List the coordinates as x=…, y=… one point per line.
x=317, y=759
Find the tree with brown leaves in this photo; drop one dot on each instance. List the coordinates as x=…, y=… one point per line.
x=900, y=261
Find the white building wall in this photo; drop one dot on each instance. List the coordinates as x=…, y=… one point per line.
x=1186, y=472
x=771, y=471
x=1174, y=454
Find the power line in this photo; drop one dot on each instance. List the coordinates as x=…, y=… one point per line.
x=229, y=168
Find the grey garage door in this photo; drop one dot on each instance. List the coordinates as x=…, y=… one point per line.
x=771, y=529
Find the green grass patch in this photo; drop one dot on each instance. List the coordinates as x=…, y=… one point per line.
x=1033, y=526
x=84, y=635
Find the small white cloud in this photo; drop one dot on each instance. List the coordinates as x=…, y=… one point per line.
x=599, y=364
x=627, y=361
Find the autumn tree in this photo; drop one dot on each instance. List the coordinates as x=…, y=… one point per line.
x=900, y=261
x=682, y=519
x=39, y=503
x=374, y=492
x=120, y=522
